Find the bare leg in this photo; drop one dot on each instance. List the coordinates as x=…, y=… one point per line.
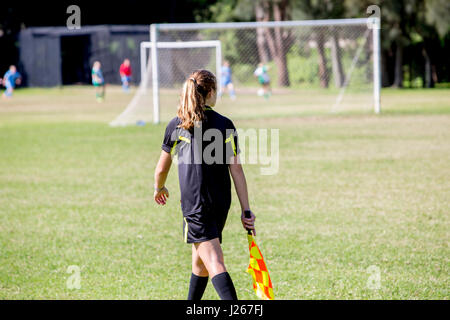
x=210, y=252
x=199, y=277
x=198, y=267
x=211, y=255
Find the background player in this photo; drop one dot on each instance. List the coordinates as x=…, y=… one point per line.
x=226, y=82
x=98, y=81
x=125, y=74
x=263, y=79
x=10, y=79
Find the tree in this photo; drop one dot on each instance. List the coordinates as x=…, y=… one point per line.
x=271, y=43
x=408, y=20
x=395, y=14
x=336, y=62
x=414, y=33
x=437, y=14
x=396, y=20
x=276, y=39
x=432, y=22
x=325, y=9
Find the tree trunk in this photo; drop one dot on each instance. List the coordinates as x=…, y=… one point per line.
x=275, y=40
x=270, y=42
x=428, y=83
x=261, y=16
x=338, y=73
x=283, y=74
x=323, y=72
x=279, y=14
x=434, y=74
x=411, y=78
x=398, y=77
x=385, y=81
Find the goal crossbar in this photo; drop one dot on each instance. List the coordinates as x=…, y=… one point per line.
x=264, y=24
x=183, y=44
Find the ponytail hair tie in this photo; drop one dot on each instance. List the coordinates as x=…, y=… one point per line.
x=198, y=87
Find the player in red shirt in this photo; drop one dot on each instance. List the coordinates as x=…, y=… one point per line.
x=125, y=74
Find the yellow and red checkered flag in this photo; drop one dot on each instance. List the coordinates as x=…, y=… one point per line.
x=258, y=269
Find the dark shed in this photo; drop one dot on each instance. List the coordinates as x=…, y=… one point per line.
x=53, y=56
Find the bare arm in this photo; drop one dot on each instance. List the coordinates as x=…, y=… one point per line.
x=240, y=184
x=161, y=172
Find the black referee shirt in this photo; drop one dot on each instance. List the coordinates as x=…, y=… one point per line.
x=203, y=159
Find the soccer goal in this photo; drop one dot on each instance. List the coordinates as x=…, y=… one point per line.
x=164, y=76
x=314, y=66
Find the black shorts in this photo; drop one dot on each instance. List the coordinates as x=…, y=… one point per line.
x=203, y=226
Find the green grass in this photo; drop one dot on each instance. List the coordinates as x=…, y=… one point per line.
x=354, y=190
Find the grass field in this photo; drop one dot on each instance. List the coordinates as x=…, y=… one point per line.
x=354, y=190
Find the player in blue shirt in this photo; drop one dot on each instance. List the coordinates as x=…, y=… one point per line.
x=226, y=82
x=98, y=81
x=10, y=79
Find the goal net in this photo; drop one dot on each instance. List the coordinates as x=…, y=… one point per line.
x=314, y=67
x=174, y=62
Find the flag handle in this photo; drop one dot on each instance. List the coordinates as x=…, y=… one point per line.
x=247, y=214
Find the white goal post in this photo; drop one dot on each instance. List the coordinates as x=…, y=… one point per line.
x=149, y=66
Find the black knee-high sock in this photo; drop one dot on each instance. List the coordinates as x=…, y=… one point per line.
x=224, y=286
x=197, y=287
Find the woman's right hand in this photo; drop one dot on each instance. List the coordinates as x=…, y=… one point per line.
x=249, y=223
x=161, y=195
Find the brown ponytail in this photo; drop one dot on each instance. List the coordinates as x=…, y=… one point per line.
x=193, y=96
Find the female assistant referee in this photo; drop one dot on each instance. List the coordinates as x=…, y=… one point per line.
x=204, y=178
